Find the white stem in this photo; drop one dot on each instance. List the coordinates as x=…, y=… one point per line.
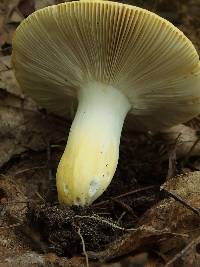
x=91, y=155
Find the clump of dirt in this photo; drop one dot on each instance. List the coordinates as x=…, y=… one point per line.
x=62, y=228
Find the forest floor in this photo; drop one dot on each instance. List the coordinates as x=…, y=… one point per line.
x=149, y=215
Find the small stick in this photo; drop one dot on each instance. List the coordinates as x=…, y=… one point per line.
x=29, y=169
x=121, y=216
x=136, y=191
x=126, y=194
x=183, y=251
x=113, y=225
x=102, y=220
x=124, y=206
x=183, y=202
x=39, y=196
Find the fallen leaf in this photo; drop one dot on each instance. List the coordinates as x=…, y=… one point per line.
x=142, y=237
x=184, y=185
x=9, y=83
x=5, y=63
x=22, y=130
x=173, y=215
x=26, y=259
x=167, y=225
x=13, y=193
x=186, y=136
x=7, y=77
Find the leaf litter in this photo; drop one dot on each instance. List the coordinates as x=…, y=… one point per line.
x=149, y=216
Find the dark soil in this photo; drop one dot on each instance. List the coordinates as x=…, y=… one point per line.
x=115, y=211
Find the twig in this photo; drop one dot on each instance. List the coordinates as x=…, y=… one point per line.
x=104, y=221
x=29, y=169
x=121, y=216
x=183, y=251
x=124, y=206
x=113, y=225
x=126, y=194
x=183, y=202
x=136, y=191
x=83, y=245
x=10, y=179
x=40, y=197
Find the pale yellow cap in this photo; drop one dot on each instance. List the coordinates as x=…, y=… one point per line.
x=58, y=49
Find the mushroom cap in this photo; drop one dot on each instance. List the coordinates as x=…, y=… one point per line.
x=60, y=48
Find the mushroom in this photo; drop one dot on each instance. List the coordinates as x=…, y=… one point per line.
x=115, y=59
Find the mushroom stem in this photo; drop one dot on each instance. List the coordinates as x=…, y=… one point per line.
x=91, y=155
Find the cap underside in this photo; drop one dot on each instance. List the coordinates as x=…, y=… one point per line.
x=58, y=49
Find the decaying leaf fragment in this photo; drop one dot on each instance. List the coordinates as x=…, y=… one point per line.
x=7, y=78
x=184, y=185
x=22, y=130
x=185, y=137
x=143, y=236
x=169, y=225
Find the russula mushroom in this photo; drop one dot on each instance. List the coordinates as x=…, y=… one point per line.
x=114, y=58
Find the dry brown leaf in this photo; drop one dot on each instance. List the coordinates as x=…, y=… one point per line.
x=9, y=83
x=3, y=67
x=10, y=17
x=170, y=213
x=169, y=224
x=186, y=137
x=176, y=217
x=184, y=185
x=5, y=61
x=142, y=237
x=11, y=217
x=27, y=259
x=53, y=260
x=7, y=77
x=12, y=192
x=22, y=130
